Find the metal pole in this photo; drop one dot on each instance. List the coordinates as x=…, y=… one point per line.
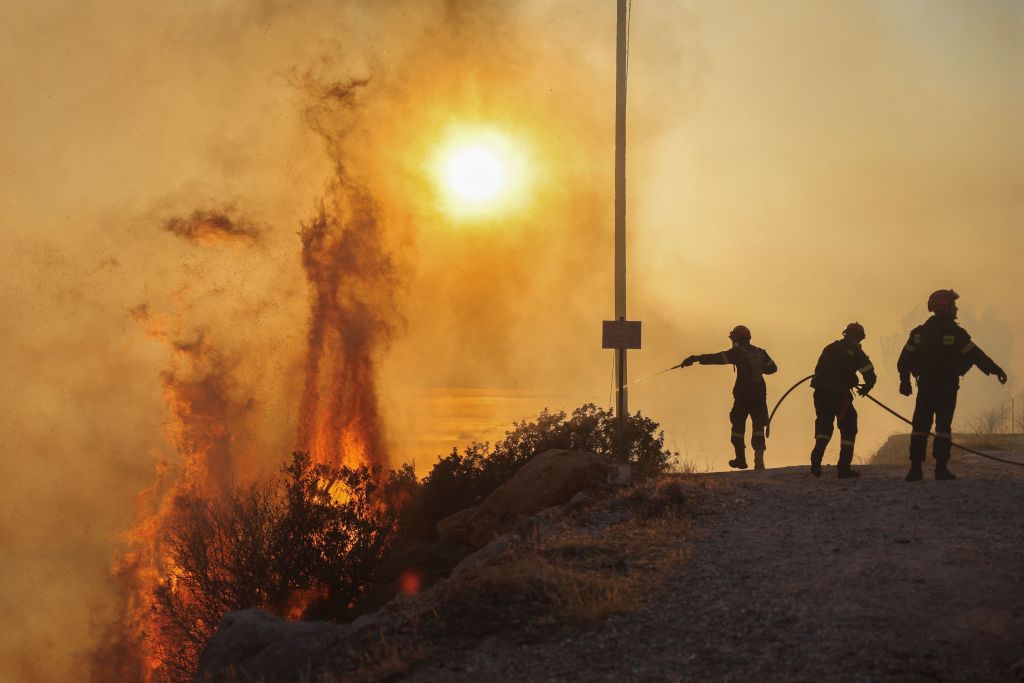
x=621, y=403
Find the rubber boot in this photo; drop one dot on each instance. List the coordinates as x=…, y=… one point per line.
x=758, y=459
x=816, y=455
x=843, y=470
x=942, y=472
x=915, y=473
x=740, y=461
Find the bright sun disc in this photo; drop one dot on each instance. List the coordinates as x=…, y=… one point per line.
x=480, y=173
x=475, y=174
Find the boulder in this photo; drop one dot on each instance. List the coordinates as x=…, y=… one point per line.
x=453, y=527
x=253, y=643
x=548, y=479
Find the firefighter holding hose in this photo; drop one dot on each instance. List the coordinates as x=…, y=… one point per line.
x=937, y=354
x=834, y=377
x=751, y=363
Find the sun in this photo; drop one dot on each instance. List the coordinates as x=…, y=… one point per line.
x=480, y=173
x=476, y=174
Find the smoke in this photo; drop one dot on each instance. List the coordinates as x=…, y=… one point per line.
x=791, y=168
x=212, y=227
x=352, y=287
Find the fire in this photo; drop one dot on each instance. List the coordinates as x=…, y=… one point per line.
x=351, y=284
x=350, y=276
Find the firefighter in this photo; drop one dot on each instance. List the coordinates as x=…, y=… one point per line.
x=937, y=354
x=834, y=376
x=750, y=363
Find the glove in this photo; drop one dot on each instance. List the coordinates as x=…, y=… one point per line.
x=863, y=389
x=1001, y=376
x=688, y=361
x=905, y=387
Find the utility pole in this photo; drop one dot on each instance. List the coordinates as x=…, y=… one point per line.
x=620, y=334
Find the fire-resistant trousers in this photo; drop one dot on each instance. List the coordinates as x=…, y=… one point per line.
x=756, y=407
x=834, y=407
x=936, y=402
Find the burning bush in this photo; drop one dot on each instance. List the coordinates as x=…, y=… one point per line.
x=307, y=544
x=310, y=544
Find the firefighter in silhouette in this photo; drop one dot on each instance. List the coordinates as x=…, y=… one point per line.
x=751, y=363
x=834, y=377
x=937, y=354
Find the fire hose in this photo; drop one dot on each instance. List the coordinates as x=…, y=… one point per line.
x=893, y=413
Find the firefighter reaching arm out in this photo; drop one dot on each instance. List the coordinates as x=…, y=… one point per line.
x=749, y=392
x=938, y=353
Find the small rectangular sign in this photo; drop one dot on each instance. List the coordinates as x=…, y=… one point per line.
x=620, y=334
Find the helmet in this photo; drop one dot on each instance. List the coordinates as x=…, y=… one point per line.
x=855, y=331
x=943, y=301
x=740, y=333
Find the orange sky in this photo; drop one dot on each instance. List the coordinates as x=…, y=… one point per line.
x=792, y=167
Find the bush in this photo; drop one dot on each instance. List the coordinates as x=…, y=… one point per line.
x=307, y=544
x=460, y=480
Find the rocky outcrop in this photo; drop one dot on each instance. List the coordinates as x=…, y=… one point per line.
x=551, y=478
x=255, y=644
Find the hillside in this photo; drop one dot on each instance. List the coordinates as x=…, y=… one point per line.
x=755, y=576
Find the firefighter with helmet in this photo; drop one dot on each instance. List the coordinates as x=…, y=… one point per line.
x=750, y=363
x=937, y=354
x=834, y=377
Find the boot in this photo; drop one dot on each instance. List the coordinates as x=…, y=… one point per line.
x=816, y=455
x=739, y=463
x=758, y=459
x=942, y=472
x=843, y=470
x=915, y=473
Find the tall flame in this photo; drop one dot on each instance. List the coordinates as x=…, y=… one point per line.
x=351, y=282
x=348, y=272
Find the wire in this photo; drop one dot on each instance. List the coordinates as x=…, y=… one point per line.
x=768, y=427
x=963, y=448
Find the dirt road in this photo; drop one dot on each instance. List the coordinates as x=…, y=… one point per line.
x=803, y=579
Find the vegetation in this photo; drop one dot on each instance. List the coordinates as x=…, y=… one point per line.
x=312, y=542
x=307, y=543
x=460, y=480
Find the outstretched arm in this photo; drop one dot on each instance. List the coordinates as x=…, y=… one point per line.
x=708, y=359
x=975, y=356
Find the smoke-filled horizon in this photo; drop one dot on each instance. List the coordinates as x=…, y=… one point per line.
x=178, y=179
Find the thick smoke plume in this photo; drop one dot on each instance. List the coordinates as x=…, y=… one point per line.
x=351, y=283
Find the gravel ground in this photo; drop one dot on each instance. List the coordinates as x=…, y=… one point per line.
x=804, y=579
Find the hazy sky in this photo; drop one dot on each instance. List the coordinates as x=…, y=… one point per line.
x=793, y=166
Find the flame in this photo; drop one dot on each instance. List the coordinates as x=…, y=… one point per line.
x=351, y=282
x=350, y=277
x=197, y=391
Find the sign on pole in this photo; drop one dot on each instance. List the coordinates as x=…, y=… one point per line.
x=620, y=334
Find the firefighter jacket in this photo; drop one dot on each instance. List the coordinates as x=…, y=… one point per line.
x=940, y=352
x=838, y=366
x=752, y=363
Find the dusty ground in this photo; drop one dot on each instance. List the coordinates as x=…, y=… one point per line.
x=804, y=579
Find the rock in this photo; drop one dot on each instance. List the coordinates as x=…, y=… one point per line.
x=253, y=643
x=453, y=527
x=473, y=563
x=551, y=478
x=581, y=500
